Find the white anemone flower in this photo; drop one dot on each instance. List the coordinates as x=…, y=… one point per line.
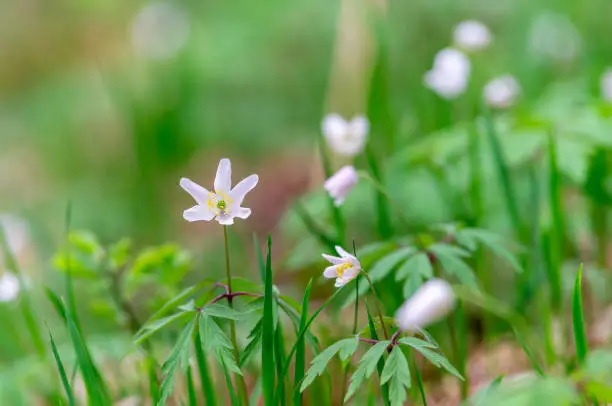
x=606, y=85
x=502, y=92
x=450, y=73
x=346, y=137
x=224, y=204
x=344, y=268
x=434, y=300
x=9, y=287
x=471, y=35
x=341, y=183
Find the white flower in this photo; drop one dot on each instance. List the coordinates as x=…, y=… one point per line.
x=450, y=73
x=224, y=203
x=434, y=300
x=9, y=287
x=606, y=85
x=471, y=35
x=160, y=30
x=345, y=268
x=345, y=137
x=554, y=36
x=341, y=183
x=502, y=92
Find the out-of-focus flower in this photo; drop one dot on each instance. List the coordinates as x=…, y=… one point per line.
x=224, y=203
x=606, y=85
x=554, y=36
x=9, y=287
x=471, y=35
x=434, y=300
x=160, y=30
x=345, y=137
x=450, y=73
x=16, y=233
x=341, y=183
x=502, y=92
x=344, y=268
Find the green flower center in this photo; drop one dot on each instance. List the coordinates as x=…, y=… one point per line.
x=221, y=205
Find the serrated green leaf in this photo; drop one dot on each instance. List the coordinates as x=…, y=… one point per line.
x=417, y=342
x=178, y=358
x=418, y=263
x=216, y=341
x=318, y=365
x=449, y=250
x=151, y=328
x=253, y=344
x=398, y=372
x=221, y=311
x=385, y=265
x=455, y=266
x=438, y=360
x=366, y=366
x=493, y=242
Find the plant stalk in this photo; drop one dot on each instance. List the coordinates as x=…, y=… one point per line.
x=378, y=304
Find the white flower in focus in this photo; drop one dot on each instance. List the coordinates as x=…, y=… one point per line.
x=345, y=137
x=450, y=73
x=554, y=36
x=9, y=287
x=471, y=35
x=344, y=268
x=502, y=92
x=224, y=203
x=606, y=85
x=160, y=30
x=434, y=300
x=341, y=183
x=16, y=233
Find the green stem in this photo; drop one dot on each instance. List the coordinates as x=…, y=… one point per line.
x=356, y=314
x=228, y=273
x=417, y=373
x=378, y=304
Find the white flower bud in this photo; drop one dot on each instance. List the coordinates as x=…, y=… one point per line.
x=434, y=300
x=502, y=92
x=9, y=287
x=341, y=183
x=471, y=35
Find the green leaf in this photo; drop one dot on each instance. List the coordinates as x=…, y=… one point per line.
x=381, y=362
x=82, y=257
x=300, y=353
x=438, y=360
x=454, y=266
x=449, y=250
x=267, y=339
x=206, y=383
x=230, y=388
x=398, y=372
x=417, y=343
x=254, y=343
x=118, y=253
x=216, y=341
x=366, y=366
x=493, y=242
x=384, y=266
x=346, y=347
x=62, y=371
x=221, y=311
x=412, y=284
x=178, y=358
x=153, y=327
x=416, y=264
x=580, y=338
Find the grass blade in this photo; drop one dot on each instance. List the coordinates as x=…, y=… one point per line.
x=193, y=400
x=300, y=354
x=267, y=347
x=62, y=371
x=279, y=359
x=230, y=386
x=419, y=379
x=208, y=388
x=578, y=320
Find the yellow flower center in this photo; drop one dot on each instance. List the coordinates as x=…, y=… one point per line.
x=341, y=268
x=219, y=203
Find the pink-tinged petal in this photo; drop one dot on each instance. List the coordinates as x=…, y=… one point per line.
x=340, y=282
x=199, y=193
x=198, y=213
x=242, y=188
x=343, y=253
x=223, y=179
x=350, y=274
x=225, y=220
x=241, y=212
x=330, y=272
x=332, y=259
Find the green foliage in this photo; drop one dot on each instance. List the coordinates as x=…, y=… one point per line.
x=367, y=365
x=580, y=338
x=345, y=348
x=215, y=341
x=62, y=372
x=398, y=372
x=300, y=353
x=450, y=259
x=267, y=339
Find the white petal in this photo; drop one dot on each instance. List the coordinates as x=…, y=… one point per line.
x=198, y=213
x=359, y=127
x=225, y=220
x=434, y=300
x=350, y=274
x=330, y=272
x=343, y=253
x=242, y=188
x=340, y=282
x=199, y=193
x=241, y=212
x=334, y=126
x=223, y=179
x=333, y=260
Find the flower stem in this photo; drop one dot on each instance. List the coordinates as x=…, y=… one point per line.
x=378, y=304
x=228, y=273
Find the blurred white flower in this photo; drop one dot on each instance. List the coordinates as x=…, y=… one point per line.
x=554, y=36
x=606, y=85
x=345, y=137
x=341, y=183
x=471, y=35
x=344, y=268
x=16, y=233
x=160, y=30
x=9, y=287
x=224, y=203
x=502, y=92
x=450, y=73
x=434, y=300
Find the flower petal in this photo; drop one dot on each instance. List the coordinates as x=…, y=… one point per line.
x=198, y=213
x=334, y=126
x=199, y=193
x=330, y=272
x=340, y=282
x=332, y=259
x=343, y=253
x=223, y=179
x=359, y=127
x=242, y=188
x=241, y=212
x=225, y=220
x=350, y=274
